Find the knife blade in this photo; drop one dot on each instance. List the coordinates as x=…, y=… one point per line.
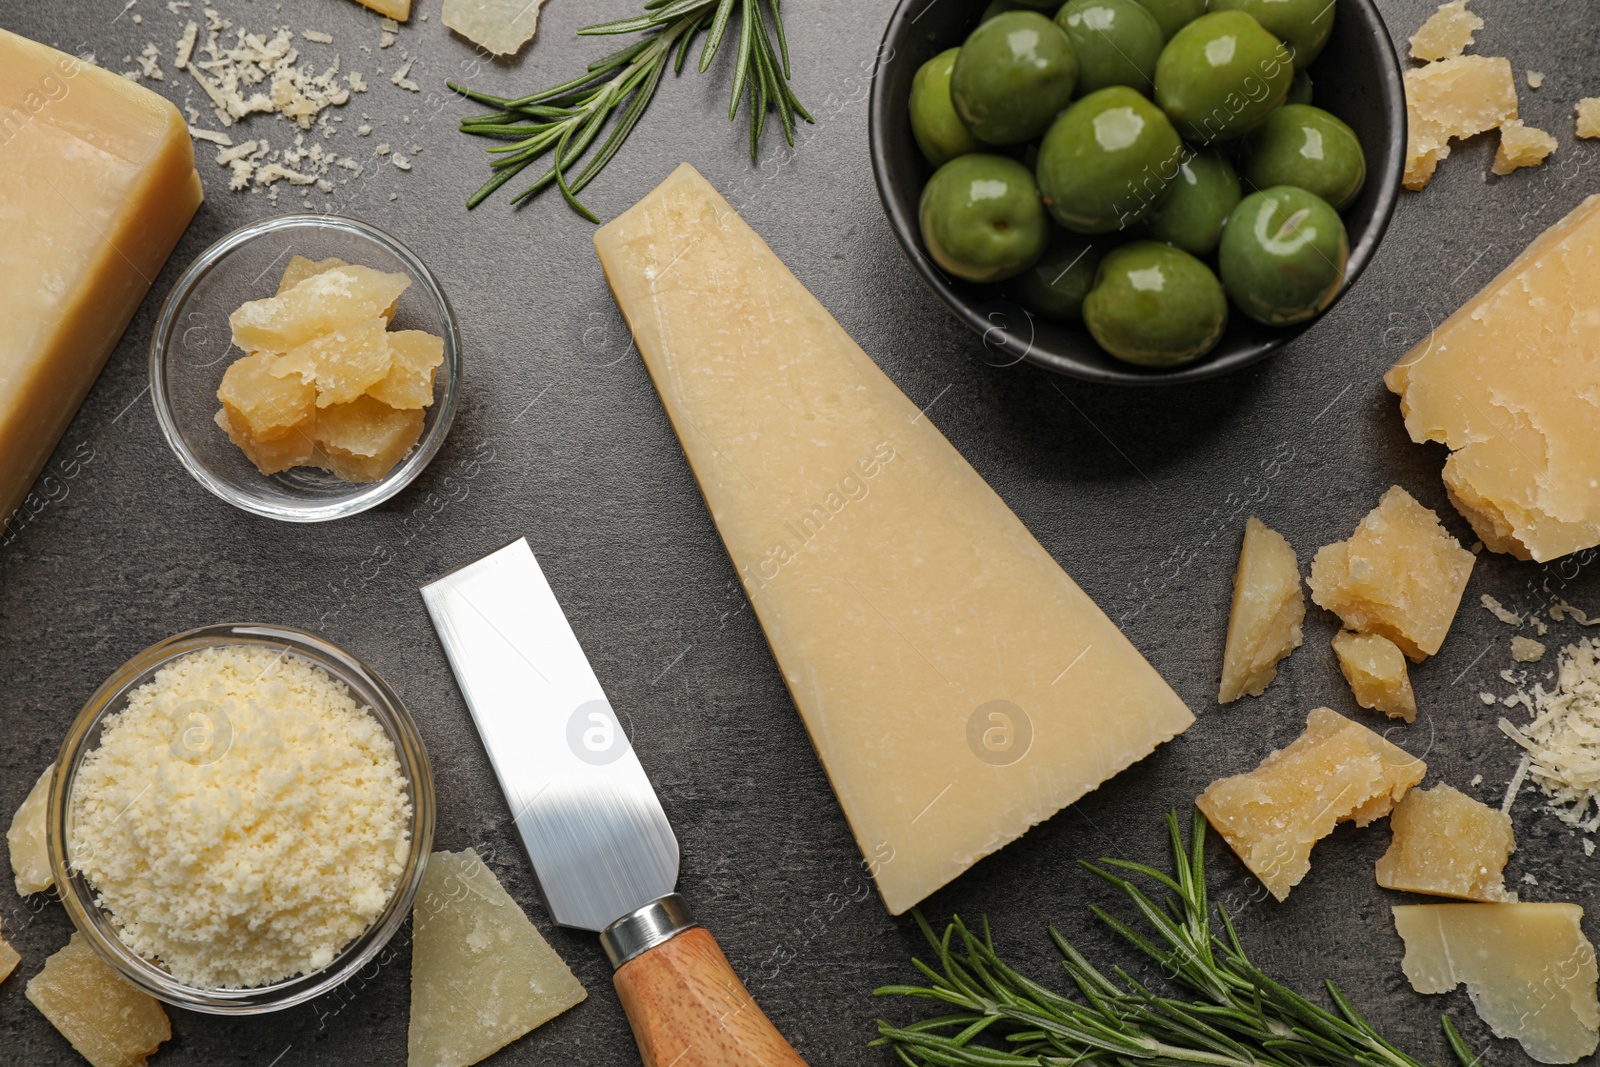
x=603, y=852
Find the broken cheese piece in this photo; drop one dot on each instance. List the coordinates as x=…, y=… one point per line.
x=316, y=305
x=1400, y=575
x=957, y=685
x=1337, y=771
x=97, y=183
x=1528, y=968
x=399, y=10
x=1521, y=146
x=1588, y=110
x=8, y=959
x=1446, y=33
x=1448, y=844
x=1268, y=608
x=481, y=974
x=1510, y=383
x=109, y=1022
x=1376, y=670
x=1453, y=98
x=28, y=841
x=501, y=26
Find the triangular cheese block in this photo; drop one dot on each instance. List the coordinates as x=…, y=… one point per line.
x=958, y=686
x=481, y=975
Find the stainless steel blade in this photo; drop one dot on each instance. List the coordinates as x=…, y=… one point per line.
x=600, y=843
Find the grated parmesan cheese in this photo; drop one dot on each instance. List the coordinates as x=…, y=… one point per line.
x=1562, y=741
x=1526, y=649
x=1500, y=611
x=243, y=818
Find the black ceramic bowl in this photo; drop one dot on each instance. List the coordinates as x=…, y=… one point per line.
x=1357, y=77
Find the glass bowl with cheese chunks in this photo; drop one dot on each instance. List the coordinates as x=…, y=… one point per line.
x=306, y=367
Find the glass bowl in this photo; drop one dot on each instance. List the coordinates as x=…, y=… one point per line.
x=78, y=895
x=1357, y=77
x=193, y=345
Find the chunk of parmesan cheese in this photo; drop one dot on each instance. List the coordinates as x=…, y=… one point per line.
x=1337, y=771
x=1453, y=98
x=1588, y=110
x=106, y=1019
x=1521, y=146
x=1376, y=670
x=481, y=974
x=1448, y=844
x=1528, y=969
x=28, y=841
x=501, y=26
x=1268, y=608
x=1400, y=575
x=8, y=959
x=1446, y=33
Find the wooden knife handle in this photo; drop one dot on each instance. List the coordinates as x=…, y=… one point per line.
x=688, y=1008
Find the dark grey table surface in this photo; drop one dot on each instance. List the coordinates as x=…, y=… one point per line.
x=1141, y=495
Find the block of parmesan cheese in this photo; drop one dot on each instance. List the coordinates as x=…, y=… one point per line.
x=958, y=686
x=1510, y=383
x=97, y=182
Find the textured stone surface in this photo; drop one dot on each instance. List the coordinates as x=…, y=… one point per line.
x=1142, y=496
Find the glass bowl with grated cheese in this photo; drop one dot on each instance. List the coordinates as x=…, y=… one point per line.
x=195, y=348
x=243, y=820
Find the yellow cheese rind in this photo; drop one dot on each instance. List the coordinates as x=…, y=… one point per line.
x=1528, y=969
x=1446, y=33
x=97, y=183
x=481, y=974
x=106, y=1019
x=27, y=840
x=1376, y=670
x=957, y=685
x=1337, y=771
x=1268, y=609
x=1447, y=844
x=1521, y=146
x=1510, y=383
x=1400, y=575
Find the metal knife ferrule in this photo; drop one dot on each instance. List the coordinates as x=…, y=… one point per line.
x=639, y=931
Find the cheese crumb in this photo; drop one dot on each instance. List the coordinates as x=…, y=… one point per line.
x=317, y=36
x=400, y=161
x=210, y=135
x=1526, y=649
x=1477, y=779
x=399, y=77
x=1487, y=698
x=1529, y=879
x=1535, y=79
x=1521, y=146
x=243, y=818
x=1588, y=116
x=1499, y=611
x=1588, y=847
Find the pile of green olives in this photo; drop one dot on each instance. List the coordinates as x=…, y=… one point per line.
x=1140, y=165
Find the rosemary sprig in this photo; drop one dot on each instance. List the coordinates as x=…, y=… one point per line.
x=565, y=120
x=1235, y=1015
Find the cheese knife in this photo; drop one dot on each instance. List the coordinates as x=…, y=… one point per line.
x=603, y=852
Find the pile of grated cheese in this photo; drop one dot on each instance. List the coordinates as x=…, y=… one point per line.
x=243, y=818
x=1562, y=742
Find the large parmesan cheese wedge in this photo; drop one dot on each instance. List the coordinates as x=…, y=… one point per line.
x=481, y=976
x=1337, y=771
x=1511, y=383
x=97, y=182
x=958, y=686
x=1528, y=968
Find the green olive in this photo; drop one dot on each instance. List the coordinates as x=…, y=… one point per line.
x=1117, y=42
x=1305, y=146
x=1282, y=255
x=1000, y=7
x=1059, y=280
x=1155, y=305
x=982, y=219
x=1174, y=15
x=1299, y=89
x=939, y=131
x=1303, y=25
x=1013, y=76
x=1197, y=204
x=1220, y=76
x=1107, y=161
